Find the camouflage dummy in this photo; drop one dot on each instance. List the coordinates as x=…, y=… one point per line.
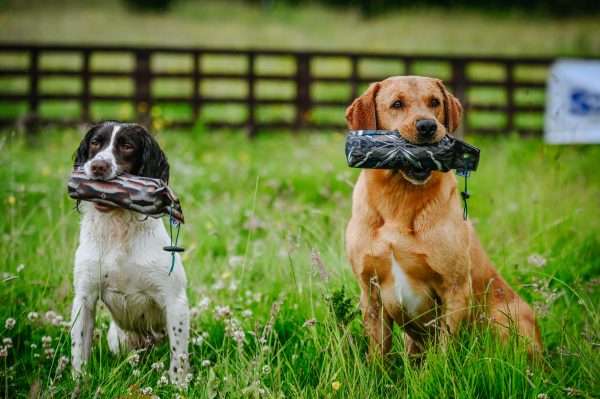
x=386, y=149
x=145, y=195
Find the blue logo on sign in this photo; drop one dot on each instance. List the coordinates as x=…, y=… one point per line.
x=584, y=102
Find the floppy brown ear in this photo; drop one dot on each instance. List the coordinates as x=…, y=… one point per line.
x=362, y=114
x=453, y=109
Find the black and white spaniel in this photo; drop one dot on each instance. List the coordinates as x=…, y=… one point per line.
x=120, y=259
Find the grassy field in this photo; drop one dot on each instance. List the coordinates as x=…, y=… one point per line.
x=265, y=238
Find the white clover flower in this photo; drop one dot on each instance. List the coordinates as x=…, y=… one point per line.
x=188, y=378
x=7, y=342
x=63, y=361
x=9, y=324
x=158, y=366
x=206, y=363
x=235, y=261
x=222, y=312
x=33, y=316
x=163, y=380
x=233, y=285
x=247, y=313
x=49, y=352
x=33, y=346
x=203, y=304
x=20, y=268
x=50, y=315
x=136, y=372
x=134, y=359
x=198, y=340
x=57, y=321
x=536, y=260
x=146, y=391
x=46, y=341
x=239, y=336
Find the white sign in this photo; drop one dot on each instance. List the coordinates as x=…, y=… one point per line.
x=573, y=102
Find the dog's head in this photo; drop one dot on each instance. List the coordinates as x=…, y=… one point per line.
x=420, y=108
x=111, y=148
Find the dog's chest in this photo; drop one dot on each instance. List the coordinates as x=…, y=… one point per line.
x=406, y=295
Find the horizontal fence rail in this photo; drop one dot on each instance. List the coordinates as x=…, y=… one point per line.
x=173, y=86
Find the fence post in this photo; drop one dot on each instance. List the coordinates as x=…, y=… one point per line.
x=85, y=86
x=142, y=88
x=197, y=68
x=510, y=96
x=251, y=119
x=459, y=88
x=32, y=118
x=303, y=102
x=408, y=66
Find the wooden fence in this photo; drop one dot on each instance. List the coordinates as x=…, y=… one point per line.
x=514, y=99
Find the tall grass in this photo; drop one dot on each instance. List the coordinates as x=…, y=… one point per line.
x=264, y=238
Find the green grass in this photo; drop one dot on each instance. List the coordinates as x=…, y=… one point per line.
x=256, y=211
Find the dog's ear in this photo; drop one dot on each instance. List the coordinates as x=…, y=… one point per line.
x=453, y=109
x=153, y=160
x=362, y=113
x=81, y=154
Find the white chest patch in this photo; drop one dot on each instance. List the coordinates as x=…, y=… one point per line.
x=405, y=294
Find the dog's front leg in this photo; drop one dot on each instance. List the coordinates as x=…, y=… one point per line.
x=83, y=316
x=456, y=301
x=378, y=324
x=178, y=327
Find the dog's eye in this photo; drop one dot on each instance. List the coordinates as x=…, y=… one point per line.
x=435, y=102
x=95, y=143
x=126, y=147
x=397, y=104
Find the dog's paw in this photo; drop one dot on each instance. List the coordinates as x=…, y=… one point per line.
x=178, y=371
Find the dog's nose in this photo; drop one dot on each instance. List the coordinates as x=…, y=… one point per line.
x=426, y=128
x=99, y=168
